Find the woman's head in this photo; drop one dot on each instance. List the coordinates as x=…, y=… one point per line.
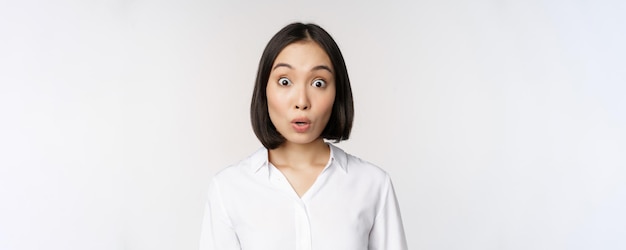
x=302, y=90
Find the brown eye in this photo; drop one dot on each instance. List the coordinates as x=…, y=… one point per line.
x=283, y=81
x=319, y=83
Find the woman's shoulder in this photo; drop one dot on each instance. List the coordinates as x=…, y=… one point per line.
x=358, y=166
x=241, y=167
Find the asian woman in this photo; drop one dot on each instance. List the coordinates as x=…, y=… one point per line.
x=300, y=191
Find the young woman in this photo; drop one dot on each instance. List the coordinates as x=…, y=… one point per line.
x=299, y=192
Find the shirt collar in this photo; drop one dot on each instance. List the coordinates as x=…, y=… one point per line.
x=259, y=159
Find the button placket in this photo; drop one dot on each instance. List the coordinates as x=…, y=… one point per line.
x=303, y=226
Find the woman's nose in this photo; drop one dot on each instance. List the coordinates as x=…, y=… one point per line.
x=302, y=99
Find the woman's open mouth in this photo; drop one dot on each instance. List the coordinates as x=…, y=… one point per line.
x=301, y=125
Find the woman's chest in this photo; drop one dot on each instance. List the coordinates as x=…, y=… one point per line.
x=334, y=217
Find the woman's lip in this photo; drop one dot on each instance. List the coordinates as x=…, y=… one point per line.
x=301, y=124
x=301, y=120
x=300, y=127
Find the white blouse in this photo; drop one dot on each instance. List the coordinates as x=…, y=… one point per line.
x=351, y=205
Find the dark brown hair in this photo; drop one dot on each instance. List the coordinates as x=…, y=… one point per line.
x=340, y=122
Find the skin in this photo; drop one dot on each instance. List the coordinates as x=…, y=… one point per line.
x=301, y=85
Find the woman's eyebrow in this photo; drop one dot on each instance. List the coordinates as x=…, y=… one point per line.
x=282, y=65
x=318, y=67
x=322, y=67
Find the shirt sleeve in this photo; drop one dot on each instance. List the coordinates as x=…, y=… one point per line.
x=387, y=232
x=217, y=229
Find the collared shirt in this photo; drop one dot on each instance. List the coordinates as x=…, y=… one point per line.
x=350, y=206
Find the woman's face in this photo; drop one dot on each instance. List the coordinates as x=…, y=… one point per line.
x=301, y=92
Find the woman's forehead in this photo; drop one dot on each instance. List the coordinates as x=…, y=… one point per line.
x=304, y=55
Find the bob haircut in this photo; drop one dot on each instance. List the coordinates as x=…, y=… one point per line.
x=340, y=122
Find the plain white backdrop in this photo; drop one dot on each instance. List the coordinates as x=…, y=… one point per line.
x=502, y=123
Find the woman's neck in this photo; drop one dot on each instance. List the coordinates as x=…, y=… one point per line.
x=296, y=155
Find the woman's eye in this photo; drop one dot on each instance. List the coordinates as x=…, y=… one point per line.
x=283, y=81
x=319, y=83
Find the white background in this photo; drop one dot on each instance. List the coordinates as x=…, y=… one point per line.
x=502, y=123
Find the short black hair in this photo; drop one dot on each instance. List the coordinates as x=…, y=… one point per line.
x=340, y=122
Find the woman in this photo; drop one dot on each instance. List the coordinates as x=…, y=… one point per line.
x=299, y=192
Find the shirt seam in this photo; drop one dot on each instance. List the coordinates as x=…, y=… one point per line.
x=384, y=198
